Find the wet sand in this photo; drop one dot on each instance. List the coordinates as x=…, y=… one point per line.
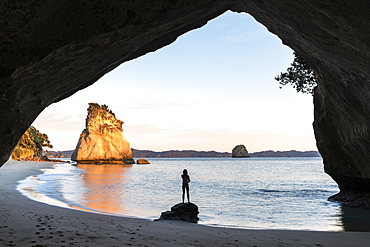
x=25, y=222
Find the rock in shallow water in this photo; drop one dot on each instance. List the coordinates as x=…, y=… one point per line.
x=182, y=211
x=142, y=161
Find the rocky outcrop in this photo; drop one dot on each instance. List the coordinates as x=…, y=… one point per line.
x=240, y=151
x=352, y=198
x=182, y=211
x=51, y=49
x=22, y=153
x=30, y=146
x=102, y=141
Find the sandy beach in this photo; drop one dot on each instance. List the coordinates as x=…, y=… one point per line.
x=25, y=222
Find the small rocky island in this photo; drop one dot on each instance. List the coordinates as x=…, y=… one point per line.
x=240, y=151
x=102, y=140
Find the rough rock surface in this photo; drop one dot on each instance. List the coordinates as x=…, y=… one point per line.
x=168, y=215
x=352, y=198
x=102, y=141
x=51, y=49
x=240, y=151
x=182, y=211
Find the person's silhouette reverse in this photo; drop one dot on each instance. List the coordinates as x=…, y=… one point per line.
x=185, y=184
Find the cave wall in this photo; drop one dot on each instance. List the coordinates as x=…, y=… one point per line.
x=51, y=49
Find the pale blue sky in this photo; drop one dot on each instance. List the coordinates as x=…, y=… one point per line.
x=211, y=89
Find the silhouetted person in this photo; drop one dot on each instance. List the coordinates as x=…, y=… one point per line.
x=185, y=184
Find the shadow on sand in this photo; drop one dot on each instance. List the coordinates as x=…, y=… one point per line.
x=355, y=219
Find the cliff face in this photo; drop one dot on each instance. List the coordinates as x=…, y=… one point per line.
x=31, y=144
x=102, y=141
x=51, y=49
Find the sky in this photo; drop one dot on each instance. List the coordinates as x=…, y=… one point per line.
x=212, y=89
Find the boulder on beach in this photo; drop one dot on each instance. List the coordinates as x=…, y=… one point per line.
x=240, y=151
x=182, y=211
x=102, y=140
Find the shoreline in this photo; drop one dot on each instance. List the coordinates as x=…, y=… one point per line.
x=26, y=222
x=92, y=194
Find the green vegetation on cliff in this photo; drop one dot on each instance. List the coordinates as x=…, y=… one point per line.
x=30, y=145
x=103, y=107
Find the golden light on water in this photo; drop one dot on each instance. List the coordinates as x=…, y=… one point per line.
x=102, y=183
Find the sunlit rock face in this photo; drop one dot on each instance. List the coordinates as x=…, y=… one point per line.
x=22, y=153
x=102, y=141
x=142, y=161
x=51, y=49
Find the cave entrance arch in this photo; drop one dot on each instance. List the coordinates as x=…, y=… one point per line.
x=213, y=88
x=216, y=76
x=225, y=82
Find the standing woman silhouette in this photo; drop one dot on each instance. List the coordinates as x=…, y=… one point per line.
x=185, y=184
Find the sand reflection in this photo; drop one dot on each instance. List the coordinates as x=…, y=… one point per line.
x=105, y=185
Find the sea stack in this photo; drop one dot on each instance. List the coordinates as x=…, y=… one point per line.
x=102, y=140
x=239, y=151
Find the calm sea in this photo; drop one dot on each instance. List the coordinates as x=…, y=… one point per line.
x=262, y=193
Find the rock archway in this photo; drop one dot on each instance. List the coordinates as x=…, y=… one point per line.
x=51, y=49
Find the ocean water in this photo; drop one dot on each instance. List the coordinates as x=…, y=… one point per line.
x=257, y=193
